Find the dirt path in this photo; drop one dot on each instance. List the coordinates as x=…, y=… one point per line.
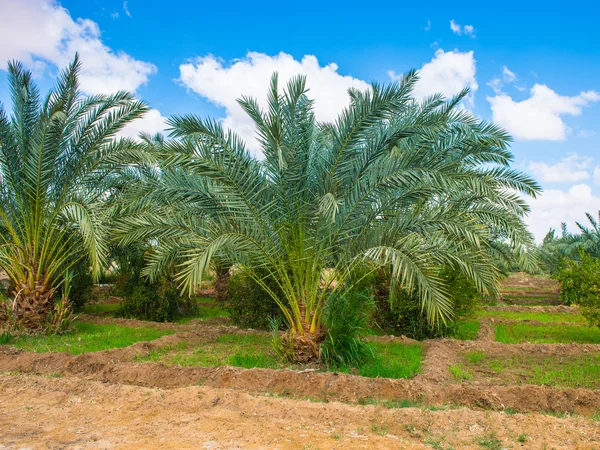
x=41, y=412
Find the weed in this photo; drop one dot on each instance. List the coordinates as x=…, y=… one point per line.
x=475, y=357
x=459, y=372
x=522, y=438
x=490, y=442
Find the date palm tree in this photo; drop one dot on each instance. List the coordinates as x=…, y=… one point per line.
x=393, y=181
x=58, y=159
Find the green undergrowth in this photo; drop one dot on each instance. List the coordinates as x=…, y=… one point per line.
x=100, y=308
x=86, y=337
x=536, y=316
x=392, y=360
x=545, y=370
x=517, y=333
x=467, y=331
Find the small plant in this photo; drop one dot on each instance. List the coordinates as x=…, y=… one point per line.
x=346, y=321
x=490, y=442
x=459, y=372
x=476, y=356
x=522, y=438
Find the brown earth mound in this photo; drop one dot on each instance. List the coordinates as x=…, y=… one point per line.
x=432, y=387
x=39, y=412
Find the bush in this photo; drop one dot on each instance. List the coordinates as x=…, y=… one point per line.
x=405, y=316
x=580, y=284
x=81, y=285
x=249, y=305
x=158, y=302
x=346, y=320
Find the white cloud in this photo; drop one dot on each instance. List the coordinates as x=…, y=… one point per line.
x=39, y=32
x=467, y=30
x=496, y=83
x=597, y=175
x=223, y=84
x=509, y=75
x=586, y=133
x=446, y=73
x=570, y=169
x=553, y=207
x=428, y=27
x=151, y=123
x=538, y=117
x=126, y=9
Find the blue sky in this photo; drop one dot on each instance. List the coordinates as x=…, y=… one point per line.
x=532, y=67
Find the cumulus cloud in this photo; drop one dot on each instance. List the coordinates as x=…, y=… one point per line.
x=151, y=123
x=539, y=116
x=467, y=30
x=223, y=83
x=553, y=207
x=446, y=73
x=570, y=169
x=40, y=32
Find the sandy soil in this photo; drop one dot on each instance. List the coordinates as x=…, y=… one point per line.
x=42, y=412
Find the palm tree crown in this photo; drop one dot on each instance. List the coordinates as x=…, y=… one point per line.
x=58, y=158
x=393, y=181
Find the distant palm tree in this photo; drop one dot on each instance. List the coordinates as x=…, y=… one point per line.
x=567, y=244
x=394, y=181
x=58, y=160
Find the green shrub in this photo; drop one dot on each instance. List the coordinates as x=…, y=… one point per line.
x=346, y=323
x=158, y=302
x=249, y=306
x=406, y=317
x=81, y=285
x=580, y=284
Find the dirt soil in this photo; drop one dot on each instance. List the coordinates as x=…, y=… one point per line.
x=40, y=412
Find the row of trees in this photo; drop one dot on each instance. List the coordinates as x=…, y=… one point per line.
x=574, y=260
x=409, y=185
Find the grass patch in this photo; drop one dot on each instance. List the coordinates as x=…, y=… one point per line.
x=552, y=370
x=100, y=308
x=546, y=334
x=467, y=331
x=537, y=316
x=392, y=360
x=239, y=350
x=459, y=372
x=87, y=337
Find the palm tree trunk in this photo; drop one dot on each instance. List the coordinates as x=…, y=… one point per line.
x=30, y=307
x=223, y=274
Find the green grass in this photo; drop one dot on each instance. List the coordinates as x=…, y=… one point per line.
x=392, y=360
x=546, y=334
x=467, y=331
x=239, y=350
x=459, y=372
x=100, y=308
x=551, y=370
x=537, y=316
x=87, y=337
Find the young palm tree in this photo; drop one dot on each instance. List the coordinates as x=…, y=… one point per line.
x=394, y=181
x=58, y=160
